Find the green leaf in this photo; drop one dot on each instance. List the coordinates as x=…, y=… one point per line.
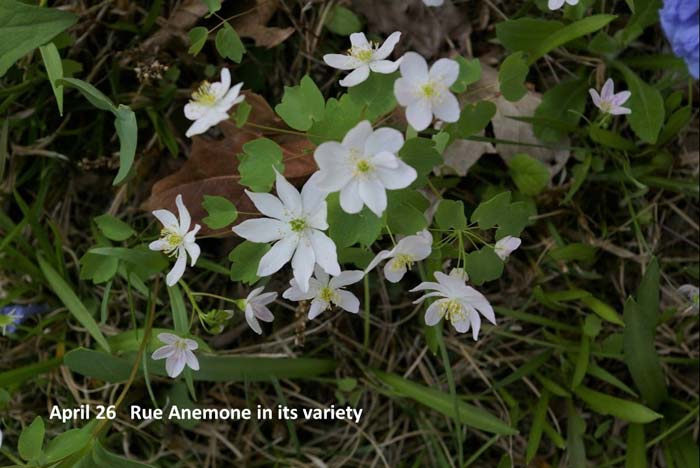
x=245, y=259
x=610, y=139
x=626, y=410
x=140, y=258
x=113, y=228
x=573, y=252
x=538, y=421
x=221, y=212
x=441, y=402
x=675, y=123
x=646, y=13
x=450, y=214
x=469, y=72
x=348, y=229
x=301, y=105
x=562, y=103
x=98, y=268
x=92, y=94
x=54, y=70
x=31, y=440
x=259, y=160
x=342, y=21
x=579, y=172
x=228, y=44
x=575, y=430
x=582, y=360
x=512, y=75
x=636, y=452
x=24, y=27
x=242, y=113
x=639, y=339
x=525, y=34
x=339, y=116
x=404, y=213
x=69, y=442
x=72, y=303
x=213, y=5
x=603, y=310
x=483, y=265
x=198, y=37
x=511, y=218
x=568, y=33
x=529, y=175
x=472, y=120
x=105, y=459
x=375, y=95
x=420, y=154
x=646, y=104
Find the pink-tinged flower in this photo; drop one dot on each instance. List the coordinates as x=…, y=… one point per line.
x=176, y=239
x=255, y=308
x=177, y=353
x=458, y=303
x=364, y=56
x=556, y=4
x=610, y=102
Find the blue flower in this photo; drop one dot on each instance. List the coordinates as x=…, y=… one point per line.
x=679, y=18
x=13, y=315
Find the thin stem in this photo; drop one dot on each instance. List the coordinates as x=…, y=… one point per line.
x=365, y=345
x=453, y=393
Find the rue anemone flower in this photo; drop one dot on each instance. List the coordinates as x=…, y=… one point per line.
x=608, y=101
x=255, y=308
x=362, y=167
x=426, y=92
x=505, y=246
x=176, y=239
x=295, y=222
x=556, y=4
x=177, y=353
x=364, y=56
x=211, y=102
x=401, y=258
x=326, y=291
x=458, y=303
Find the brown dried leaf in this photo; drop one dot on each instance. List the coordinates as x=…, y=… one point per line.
x=252, y=23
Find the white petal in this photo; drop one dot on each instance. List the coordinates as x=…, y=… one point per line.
x=207, y=121
x=303, y=263
x=355, y=77
x=168, y=338
x=266, y=298
x=268, y=205
x=296, y=294
x=191, y=360
x=193, y=250
x=555, y=4
x=608, y=90
x=277, y=256
x=445, y=71
x=357, y=136
x=447, y=109
x=462, y=326
x=325, y=253
x=191, y=236
x=398, y=178
x=475, y=321
x=312, y=198
x=159, y=245
x=261, y=230
x=350, y=200
x=388, y=47
x=191, y=344
x=418, y=246
x=385, y=159
x=291, y=198
x=359, y=40
x=317, y=306
x=252, y=321
x=383, y=139
x=348, y=301
x=332, y=180
x=225, y=78
x=263, y=313
x=620, y=111
x=384, y=254
x=317, y=219
x=177, y=271
x=330, y=154
x=393, y=272
x=342, y=62
x=163, y=352
x=384, y=66
x=419, y=114
x=373, y=194
x=621, y=98
x=230, y=98
x=405, y=91
x=195, y=110
x=166, y=218
x=346, y=278
x=175, y=364
x=433, y=315
x=505, y=246
x=595, y=97
x=414, y=68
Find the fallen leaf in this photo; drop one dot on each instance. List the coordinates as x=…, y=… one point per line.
x=253, y=20
x=212, y=166
x=461, y=155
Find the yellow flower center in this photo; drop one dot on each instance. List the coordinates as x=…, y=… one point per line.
x=430, y=90
x=204, y=94
x=402, y=261
x=172, y=238
x=363, y=166
x=362, y=53
x=298, y=225
x=453, y=311
x=327, y=295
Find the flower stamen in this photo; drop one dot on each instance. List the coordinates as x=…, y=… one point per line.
x=298, y=225
x=204, y=94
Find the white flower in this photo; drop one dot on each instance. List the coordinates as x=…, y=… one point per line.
x=609, y=102
x=409, y=250
x=326, y=292
x=177, y=352
x=692, y=293
x=364, y=56
x=255, y=307
x=556, y=4
x=211, y=102
x=363, y=167
x=504, y=247
x=433, y=3
x=459, y=303
x=426, y=92
x=176, y=239
x=295, y=221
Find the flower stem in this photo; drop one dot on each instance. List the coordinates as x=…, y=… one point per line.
x=366, y=287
